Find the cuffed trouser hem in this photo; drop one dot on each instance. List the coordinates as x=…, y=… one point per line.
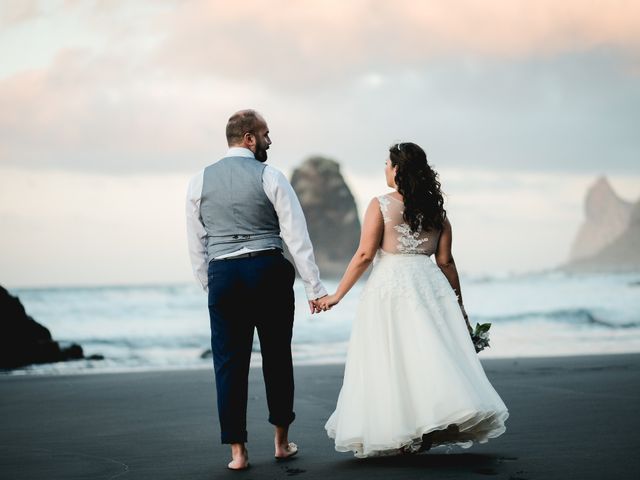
x=282, y=421
x=234, y=437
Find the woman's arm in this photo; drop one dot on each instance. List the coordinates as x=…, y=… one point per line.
x=446, y=263
x=369, y=242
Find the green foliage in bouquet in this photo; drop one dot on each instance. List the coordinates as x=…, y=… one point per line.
x=480, y=336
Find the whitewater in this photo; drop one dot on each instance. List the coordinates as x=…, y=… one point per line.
x=167, y=326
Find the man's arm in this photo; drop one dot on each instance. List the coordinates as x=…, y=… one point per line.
x=196, y=233
x=293, y=229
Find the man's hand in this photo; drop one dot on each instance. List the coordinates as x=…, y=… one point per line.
x=325, y=303
x=313, y=305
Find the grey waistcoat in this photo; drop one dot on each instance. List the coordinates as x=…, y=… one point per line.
x=235, y=211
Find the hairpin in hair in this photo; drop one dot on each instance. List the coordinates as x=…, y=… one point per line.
x=398, y=146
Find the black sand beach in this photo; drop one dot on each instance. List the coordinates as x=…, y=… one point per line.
x=573, y=417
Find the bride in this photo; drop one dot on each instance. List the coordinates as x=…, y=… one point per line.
x=412, y=377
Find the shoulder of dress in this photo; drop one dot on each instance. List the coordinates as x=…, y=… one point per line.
x=383, y=202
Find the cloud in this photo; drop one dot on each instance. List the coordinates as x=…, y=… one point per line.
x=292, y=43
x=14, y=12
x=106, y=113
x=515, y=85
x=102, y=113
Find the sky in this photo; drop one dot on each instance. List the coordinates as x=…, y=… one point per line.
x=108, y=107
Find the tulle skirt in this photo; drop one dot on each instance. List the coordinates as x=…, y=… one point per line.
x=411, y=369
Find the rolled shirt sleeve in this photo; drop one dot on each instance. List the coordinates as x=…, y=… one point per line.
x=196, y=233
x=293, y=229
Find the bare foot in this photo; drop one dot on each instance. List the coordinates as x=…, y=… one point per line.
x=284, y=448
x=287, y=450
x=240, y=457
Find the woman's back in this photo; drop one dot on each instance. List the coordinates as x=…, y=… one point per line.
x=397, y=237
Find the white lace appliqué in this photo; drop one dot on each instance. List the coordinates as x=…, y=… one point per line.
x=384, y=208
x=408, y=241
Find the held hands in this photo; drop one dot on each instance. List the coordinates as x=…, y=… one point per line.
x=322, y=304
x=326, y=303
x=312, y=305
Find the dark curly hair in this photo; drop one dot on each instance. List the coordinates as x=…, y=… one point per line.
x=418, y=184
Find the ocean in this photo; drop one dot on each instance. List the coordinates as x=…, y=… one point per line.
x=167, y=326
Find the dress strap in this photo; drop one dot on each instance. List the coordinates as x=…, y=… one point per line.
x=384, y=207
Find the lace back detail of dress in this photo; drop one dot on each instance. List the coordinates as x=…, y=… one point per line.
x=398, y=237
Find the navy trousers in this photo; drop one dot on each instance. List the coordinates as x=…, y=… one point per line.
x=247, y=294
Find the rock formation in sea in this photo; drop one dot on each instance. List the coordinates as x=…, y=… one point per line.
x=24, y=341
x=330, y=211
x=609, y=239
x=607, y=216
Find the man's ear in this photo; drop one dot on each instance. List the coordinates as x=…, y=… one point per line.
x=249, y=138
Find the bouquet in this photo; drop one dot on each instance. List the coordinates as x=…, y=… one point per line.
x=480, y=336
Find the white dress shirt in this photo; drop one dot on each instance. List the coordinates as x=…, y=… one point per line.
x=293, y=227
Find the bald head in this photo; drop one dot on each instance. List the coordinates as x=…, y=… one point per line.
x=249, y=130
x=242, y=122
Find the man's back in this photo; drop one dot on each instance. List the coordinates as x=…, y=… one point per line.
x=234, y=208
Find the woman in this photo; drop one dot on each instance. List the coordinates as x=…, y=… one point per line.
x=412, y=377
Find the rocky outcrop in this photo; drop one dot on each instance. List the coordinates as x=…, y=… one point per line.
x=609, y=240
x=24, y=341
x=607, y=217
x=621, y=255
x=330, y=211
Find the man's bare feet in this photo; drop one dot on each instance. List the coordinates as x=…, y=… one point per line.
x=283, y=452
x=284, y=448
x=240, y=457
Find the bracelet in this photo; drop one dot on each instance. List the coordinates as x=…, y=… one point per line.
x=464, y=312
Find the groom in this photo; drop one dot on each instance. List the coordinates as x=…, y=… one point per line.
x=239, y=211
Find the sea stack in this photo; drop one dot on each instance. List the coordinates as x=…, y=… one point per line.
x=330, y=211
x=609, y=238
x=607, y=216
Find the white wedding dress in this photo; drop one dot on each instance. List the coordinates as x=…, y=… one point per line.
x=411, y=367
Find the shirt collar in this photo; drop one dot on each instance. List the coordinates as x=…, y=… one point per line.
x=239, y=152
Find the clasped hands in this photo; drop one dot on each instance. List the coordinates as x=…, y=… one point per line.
x=322, y=304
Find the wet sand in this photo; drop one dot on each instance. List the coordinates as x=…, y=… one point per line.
x=571, y=417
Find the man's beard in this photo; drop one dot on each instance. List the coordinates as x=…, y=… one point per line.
x=261, y=152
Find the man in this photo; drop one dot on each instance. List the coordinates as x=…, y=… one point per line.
x=239, y=210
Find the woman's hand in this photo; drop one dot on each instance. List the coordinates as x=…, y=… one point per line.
x=326, y=303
